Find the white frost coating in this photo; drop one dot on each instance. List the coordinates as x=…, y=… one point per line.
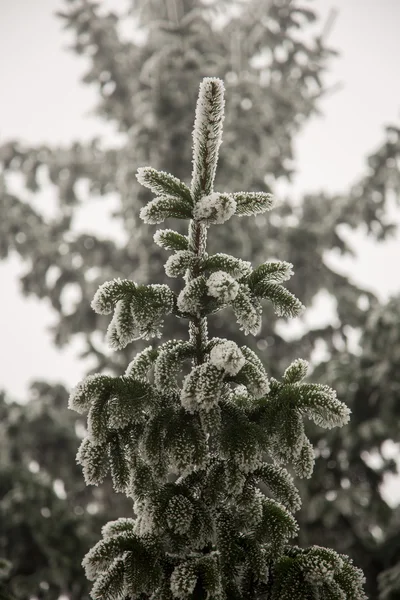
x=107, y=295
x=179, y=514
x=112, y=338
x=161, y=183
x=296, y=371
x=322, y=406
x=303, y=463
x=248, y=458
x=241, y=395
x=202, y=388
x=149, y=213
x=183, y=457
x=102, y=304
x=188, y=394
x=207, y=133
x=183, y=580
x=236, y=267
x=316, y=570
x=227, y=356
x=158, y=237
x=189, y=299
x=140, y=318
x=317, y=567
x=280, y=271
x=142, y=175
x=235, y=481
x=118, y=526
x=145, y=517
x=253, y=203
x=204, y=207
x=248, y=311
x=222, y=286
x=122, y=329
x=125, y=324
x=252, y=508
x=178, y=263
x=162, y=238
x=140, y=365
x=91, y=458
x=87, y=390
x=159, y=209
x=259, y=387
x=215, y=208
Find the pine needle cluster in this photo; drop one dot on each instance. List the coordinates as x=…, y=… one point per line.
x=195, y=431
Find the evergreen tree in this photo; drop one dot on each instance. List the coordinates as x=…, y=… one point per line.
x=199, y=446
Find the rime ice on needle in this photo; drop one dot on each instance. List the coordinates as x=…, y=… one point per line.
x=195, y=430
x=227, y=355
x=207, y=135
x=214, y=208
x=222, y=286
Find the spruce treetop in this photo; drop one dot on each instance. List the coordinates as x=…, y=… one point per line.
x=195, y=432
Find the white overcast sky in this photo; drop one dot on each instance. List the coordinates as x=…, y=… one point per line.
x=42, y=100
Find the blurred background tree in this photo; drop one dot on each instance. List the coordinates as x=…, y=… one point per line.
x=146, y=65
x=48, y=517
